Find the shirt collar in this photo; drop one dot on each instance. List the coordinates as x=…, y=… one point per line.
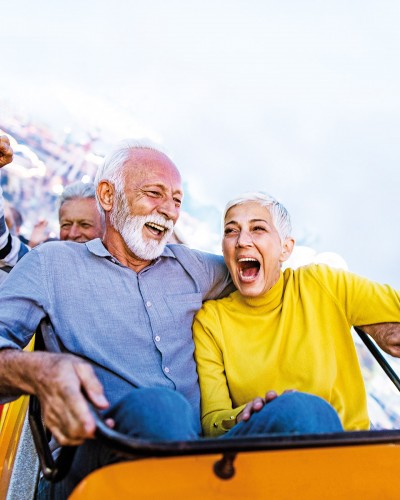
x=97, y=247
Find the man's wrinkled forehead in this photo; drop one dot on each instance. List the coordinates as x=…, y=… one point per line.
x=152, y=167
x=147, y=157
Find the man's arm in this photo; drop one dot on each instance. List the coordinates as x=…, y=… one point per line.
x=386, y=335
x=59, y=381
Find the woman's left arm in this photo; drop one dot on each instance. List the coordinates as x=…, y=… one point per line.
x=373, y=307
x=217, y=414
x=367, y=304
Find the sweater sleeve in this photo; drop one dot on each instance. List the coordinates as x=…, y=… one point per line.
x=365, y=302
x=217, y=414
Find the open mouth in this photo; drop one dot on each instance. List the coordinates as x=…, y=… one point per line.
x=248, y=269
x=156, y=229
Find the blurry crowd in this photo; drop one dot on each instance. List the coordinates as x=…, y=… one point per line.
x=43, y=165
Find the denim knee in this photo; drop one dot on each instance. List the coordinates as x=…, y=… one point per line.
x=291, y=413
x=306, y=413
x=156, y=413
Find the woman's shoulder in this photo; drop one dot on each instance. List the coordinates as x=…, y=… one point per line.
x=218, y=305
x=314, y=269
x=316, y=273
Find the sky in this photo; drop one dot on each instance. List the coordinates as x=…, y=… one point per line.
x=298, y=98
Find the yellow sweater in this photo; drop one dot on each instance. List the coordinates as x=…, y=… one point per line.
x=296, y=336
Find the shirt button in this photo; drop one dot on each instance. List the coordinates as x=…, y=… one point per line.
x=157, y=338
x=166, y=369
x=148, y=303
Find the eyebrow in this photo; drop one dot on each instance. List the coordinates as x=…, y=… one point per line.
x=75, y=220
x=161, y=186
x=251, y=220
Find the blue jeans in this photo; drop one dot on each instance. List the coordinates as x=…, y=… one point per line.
x=160, y=414
x=290, y=413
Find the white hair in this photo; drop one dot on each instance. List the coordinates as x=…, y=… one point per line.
x=112, y=168
x=280, y=216
x=77, y=191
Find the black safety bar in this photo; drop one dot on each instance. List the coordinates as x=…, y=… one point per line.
x=379, y=357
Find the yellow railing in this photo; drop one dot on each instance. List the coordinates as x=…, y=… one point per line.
x=11, y=422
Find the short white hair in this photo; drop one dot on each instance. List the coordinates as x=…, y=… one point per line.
x=112, y=168
x=280, y=216
x=75, y=190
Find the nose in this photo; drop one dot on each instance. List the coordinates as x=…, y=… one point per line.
x=169, y=209
x=74, y=232
x=244, y=239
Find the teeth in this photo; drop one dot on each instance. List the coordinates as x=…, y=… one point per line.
x=247, y=259
x=156, y=226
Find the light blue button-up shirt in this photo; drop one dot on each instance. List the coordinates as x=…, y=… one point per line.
x=135, y=328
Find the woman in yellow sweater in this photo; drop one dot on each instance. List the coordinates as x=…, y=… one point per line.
x=282, y=331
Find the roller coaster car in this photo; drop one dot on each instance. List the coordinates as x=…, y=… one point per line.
x=360, y=464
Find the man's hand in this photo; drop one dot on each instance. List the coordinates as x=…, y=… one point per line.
x=6, y=152
x=60, y=385
x=386, y=335
x=256, y=405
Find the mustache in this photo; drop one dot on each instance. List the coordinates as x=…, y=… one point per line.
x=157, y=219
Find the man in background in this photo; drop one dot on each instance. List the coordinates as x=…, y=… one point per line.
x=79, y=217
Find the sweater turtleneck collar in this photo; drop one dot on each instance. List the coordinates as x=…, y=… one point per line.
x=270, y=299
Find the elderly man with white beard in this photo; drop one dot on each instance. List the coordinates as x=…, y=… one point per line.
x=122, y=310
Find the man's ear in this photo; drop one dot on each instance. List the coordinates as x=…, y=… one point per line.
x=287, y=249
x=106, y=195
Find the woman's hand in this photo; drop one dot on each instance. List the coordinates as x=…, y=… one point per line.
x=257, y=404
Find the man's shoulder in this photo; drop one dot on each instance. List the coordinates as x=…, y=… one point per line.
x=181, y=251
x=59, y=251
x=56, y=247
x=204, y=265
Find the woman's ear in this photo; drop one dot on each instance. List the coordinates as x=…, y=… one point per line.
x=287, y=249
x=106, y=195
